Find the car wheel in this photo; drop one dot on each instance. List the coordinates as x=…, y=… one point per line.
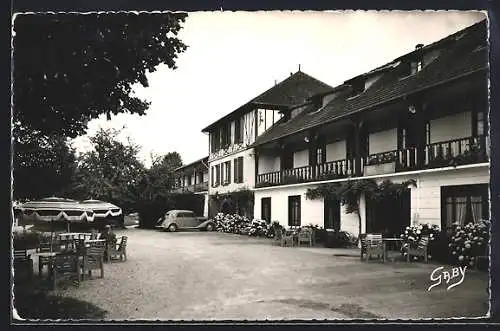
x=210, y=227
x=172, y=228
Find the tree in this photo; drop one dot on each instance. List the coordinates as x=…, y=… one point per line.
x=110, y=171
x=71, y=68
x=42, y=166
x=160, y=179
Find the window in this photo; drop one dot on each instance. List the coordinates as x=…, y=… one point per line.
x=427, y=133
x=214, y=140
x=238, y=170
x=188, y=180
x=226, y=173
x=317, y=154
x=217, y=175
x=287, y=160
x=416, y=66
x=265, y=206
x=238, y=131
x=294, y=210
x=403, y=138
x=480, y=123
x=225, y=135
x=213, y=175
x=463, y=204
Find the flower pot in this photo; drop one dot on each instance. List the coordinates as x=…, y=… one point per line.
x=379, y=169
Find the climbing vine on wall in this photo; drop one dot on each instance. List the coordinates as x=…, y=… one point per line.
x=349, y=192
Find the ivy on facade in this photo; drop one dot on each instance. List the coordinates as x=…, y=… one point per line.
x=349, y=192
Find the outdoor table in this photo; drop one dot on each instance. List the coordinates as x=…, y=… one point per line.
x=89, y=241
x=392, y=241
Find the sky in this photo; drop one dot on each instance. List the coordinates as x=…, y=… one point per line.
x=234, y=56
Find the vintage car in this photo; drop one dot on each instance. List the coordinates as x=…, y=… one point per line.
x=104, y=212
x=53, y=209
x=175, y=220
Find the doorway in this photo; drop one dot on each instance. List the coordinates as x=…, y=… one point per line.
x=390, y=215
x=331, y=216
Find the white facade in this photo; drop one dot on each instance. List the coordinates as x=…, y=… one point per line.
x=248, y=172
x=425, y=198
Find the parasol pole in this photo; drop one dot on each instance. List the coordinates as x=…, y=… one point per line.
x=51, y=234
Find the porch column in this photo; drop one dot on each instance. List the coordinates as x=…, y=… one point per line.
x=420, y=122
x=313, y=147
x=358, y=139
x=256, y=159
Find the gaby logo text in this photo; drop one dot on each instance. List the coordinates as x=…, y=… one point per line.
x=439, y=275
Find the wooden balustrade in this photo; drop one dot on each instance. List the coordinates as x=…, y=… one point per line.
x=452, y=152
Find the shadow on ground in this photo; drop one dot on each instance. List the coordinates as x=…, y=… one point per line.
x=34, y=301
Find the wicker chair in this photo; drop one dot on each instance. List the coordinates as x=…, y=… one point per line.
x=117, y=251
x=372, y=245
x=305, y=236
x=420, y=250
x=65, y=266
x=288, y=239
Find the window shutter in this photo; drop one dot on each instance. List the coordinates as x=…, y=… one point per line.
x=217, y=174
x=240, y=170
x=236, y=170
x=228, y=169
x=212, y=179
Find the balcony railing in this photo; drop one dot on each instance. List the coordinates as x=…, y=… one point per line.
x=402, y=160
x=324, y=171
x=199, y=187
x=448, y=153
x=456, y=152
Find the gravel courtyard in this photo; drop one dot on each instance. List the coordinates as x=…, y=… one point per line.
x=216, y=276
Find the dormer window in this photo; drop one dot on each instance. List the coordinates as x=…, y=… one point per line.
x=417, y=63
x=416, y=66
x=358, y=87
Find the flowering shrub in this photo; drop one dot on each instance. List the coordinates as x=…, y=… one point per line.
x=469, y=241
x=233, y=223
x=28, y=238
x=413, y=234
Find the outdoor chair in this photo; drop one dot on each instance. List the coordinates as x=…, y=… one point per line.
x=372, y=245
x=23, y=265
x=93, y=259
x=95, y=235
x=288, y=239
x=117, y=251
x=44, y=247
x=420, y=250
x=278, y=237
x=305, y=236
x=64, y=266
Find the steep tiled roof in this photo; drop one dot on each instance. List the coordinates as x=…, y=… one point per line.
x=458, y=57
x=292, y=91
x=203, y=161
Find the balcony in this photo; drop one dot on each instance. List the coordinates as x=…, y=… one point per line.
x=324, y=171
x=456, y=152
x=442, y=154
x=199, y=187
x=390, y=162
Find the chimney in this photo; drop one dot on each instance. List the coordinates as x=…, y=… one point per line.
x=419, y=46
x=275, y=82
x=299, y=66
x=291, y=73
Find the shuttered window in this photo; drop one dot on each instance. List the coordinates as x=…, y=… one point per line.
x=238, y=170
